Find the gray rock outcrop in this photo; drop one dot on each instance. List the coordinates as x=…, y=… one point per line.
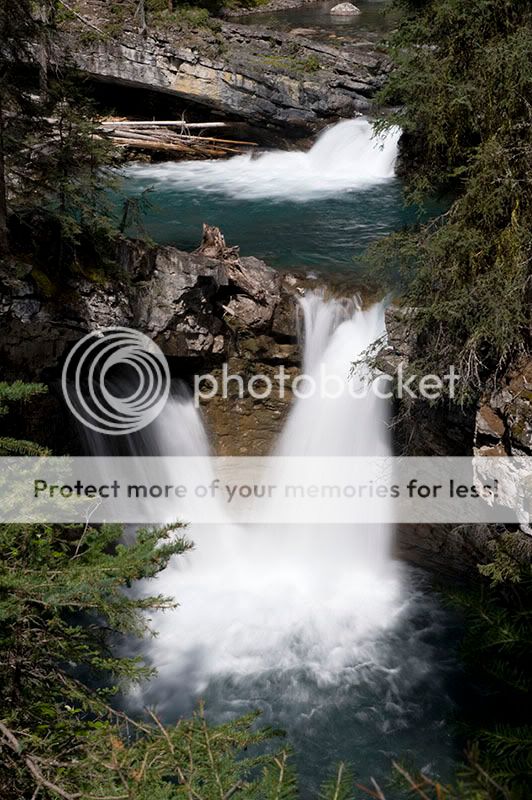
x=193, y=306
x=261, y=76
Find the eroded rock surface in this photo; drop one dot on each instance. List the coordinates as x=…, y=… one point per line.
x=193, y=306
x=261, y=76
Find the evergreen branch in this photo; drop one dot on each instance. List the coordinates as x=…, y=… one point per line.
x=13, y=743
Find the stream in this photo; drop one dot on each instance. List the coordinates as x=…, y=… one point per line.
x=376, y=19
x=295, y=210
x=320, y=629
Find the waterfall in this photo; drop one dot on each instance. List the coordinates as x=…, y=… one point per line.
x=313, y=625
x=347, y=156
x=335, y=332
x=259, y=599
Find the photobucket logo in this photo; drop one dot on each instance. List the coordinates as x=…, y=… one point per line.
x=115, y=381
x=326, y=384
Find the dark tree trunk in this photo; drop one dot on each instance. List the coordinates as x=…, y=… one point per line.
x=43, y=50
x=4, y=236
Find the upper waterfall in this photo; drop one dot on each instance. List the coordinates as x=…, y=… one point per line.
x=347, y=156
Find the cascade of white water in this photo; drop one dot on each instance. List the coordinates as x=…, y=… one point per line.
x=340, y=418
x=347, y=156
x=262, y=597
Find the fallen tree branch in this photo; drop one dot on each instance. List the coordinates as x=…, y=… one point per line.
x=163, y=123
x=150, y=144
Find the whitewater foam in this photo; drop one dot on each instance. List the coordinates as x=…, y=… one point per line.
x=259, y=598
x=348, y=156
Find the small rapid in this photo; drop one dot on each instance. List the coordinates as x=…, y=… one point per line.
x=346, y=157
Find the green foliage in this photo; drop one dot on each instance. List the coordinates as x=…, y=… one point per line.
x=66, y=602
x=17, y=392
x=497, y=649
x=188, y=15
x=311, y=64
x=292, y=63
x=12, y=393
x=196, y=14
x=67, y=179
x=63, y=602
x=73, y=174
x=52, y=159
x=340, y=787
x=463, y=82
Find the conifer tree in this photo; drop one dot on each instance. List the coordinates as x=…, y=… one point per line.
x=53, y=159
x=461, y=92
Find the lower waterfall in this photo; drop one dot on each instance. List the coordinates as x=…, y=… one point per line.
x=314, y=626
x=262, y=597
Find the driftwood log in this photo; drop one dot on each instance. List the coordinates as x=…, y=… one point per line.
x=159, y=136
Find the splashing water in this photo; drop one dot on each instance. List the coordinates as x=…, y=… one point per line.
x=346, y=157
x=265, y=598
x=314, y=626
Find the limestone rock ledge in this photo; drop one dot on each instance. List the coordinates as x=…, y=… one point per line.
x=264, y=77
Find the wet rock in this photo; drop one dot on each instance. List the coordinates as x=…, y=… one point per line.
x=284, y=322
x=241, y=424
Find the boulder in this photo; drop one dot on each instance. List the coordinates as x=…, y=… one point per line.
x=345, y=10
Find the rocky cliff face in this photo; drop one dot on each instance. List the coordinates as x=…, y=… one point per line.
x=261, y=76
x=196, y=308
x=202, y=309
x=501, y=425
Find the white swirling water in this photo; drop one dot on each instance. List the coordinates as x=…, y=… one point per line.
x=346, y=157
x=294, y=209
x=317, y=627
